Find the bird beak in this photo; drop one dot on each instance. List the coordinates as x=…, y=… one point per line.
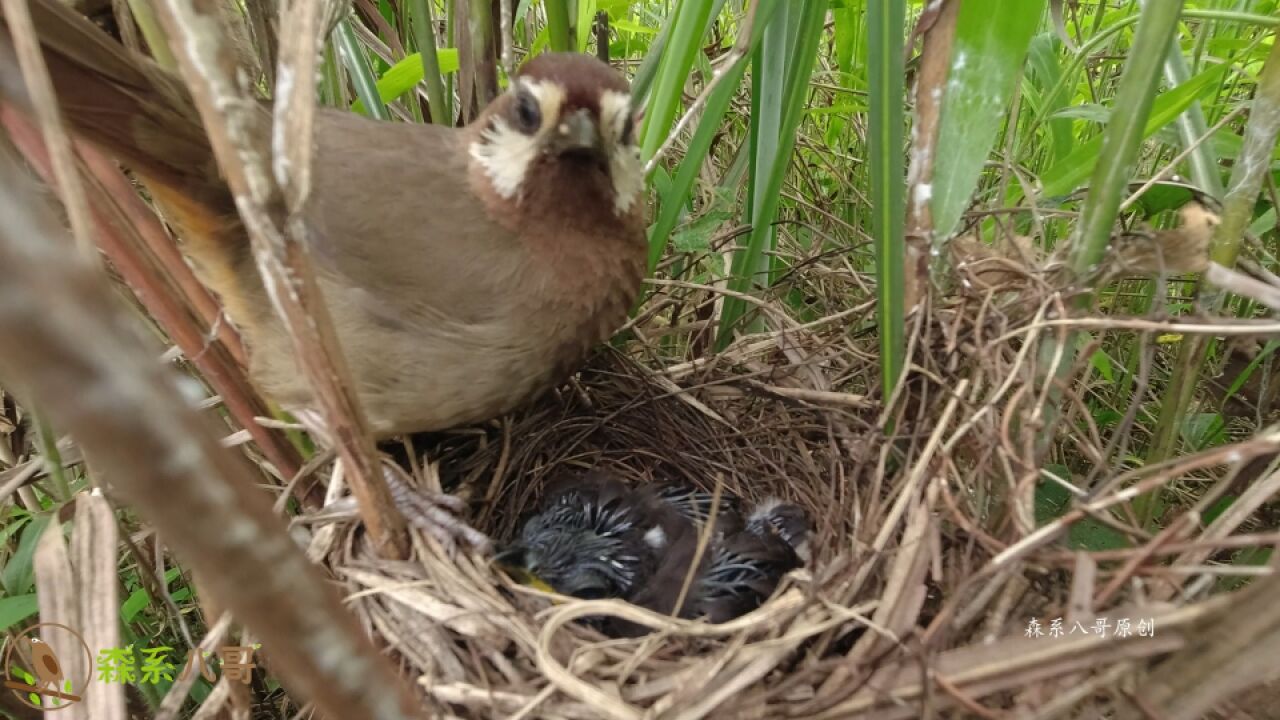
x=512, y=556
x=577, y=133
x=512, y=561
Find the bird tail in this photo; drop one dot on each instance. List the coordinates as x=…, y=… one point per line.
x=139, y=113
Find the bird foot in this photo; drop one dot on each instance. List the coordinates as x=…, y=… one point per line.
x=436, y=514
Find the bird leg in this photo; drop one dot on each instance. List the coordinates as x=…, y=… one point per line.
x=434, y=513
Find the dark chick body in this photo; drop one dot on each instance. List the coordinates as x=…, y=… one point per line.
x=594, y=537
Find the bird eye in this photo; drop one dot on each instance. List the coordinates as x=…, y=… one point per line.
x=528, y=114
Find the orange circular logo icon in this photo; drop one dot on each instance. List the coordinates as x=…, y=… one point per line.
x=46, y=685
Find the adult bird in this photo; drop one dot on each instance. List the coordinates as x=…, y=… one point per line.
x=466, y=269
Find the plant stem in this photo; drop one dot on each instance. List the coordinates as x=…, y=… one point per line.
x=885, y=21
x=1121, y=141
x=1250, y=170
x=48, y=440
x=424, y=37
x=561, y=39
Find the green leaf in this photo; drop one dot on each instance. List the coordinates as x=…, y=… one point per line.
x=18, y=575
x=1102, y=363
x=1066, y=176
x=17, y=608
x=886, y=21
x=1255, y=556
x=406, y=74
x=1052, y=500
x=1204, y=430
x=696, y=236
x=1215, y=510
x=558, y=25
x=987, y=56
x=635, y=28
x=1089, y=534
x=139, y=598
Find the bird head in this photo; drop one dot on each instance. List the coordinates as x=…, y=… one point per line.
x=591, y=538
x=575, y=563
x=565, y=124
x=787, y=522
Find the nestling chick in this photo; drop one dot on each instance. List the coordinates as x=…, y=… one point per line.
x=594, y=537
x=741, y=566
x=597, y=538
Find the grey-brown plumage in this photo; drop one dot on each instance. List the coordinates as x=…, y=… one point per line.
x=466, y=269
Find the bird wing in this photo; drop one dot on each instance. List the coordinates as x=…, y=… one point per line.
x=394, y=215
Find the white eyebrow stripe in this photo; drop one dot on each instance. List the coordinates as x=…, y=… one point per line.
x=550, y=97
x=614, y=109
x=506, y=154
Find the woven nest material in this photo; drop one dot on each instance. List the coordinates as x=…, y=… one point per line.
x=928, y=549
x=466, y=629
x=771, y=416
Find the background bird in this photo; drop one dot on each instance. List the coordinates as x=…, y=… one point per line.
x=594, y=537
x=466, y=269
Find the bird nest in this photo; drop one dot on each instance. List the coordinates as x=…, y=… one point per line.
x=924, y=545
x=484, y=646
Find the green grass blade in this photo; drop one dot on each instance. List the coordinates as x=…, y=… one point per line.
x=688, y=24
x=990, y=46
x=1125, y=132
x=406, y=74
x=1066, y=176
x=1129, y=124
x=358, y=68
x=647, y=72
x=1045, y=76
x=1247, y=177
x=561, y=39
x=806, y=18
x=424, y=38
x=676, y=197
x=885, y=20
x=586, y=16
x=1192, y=127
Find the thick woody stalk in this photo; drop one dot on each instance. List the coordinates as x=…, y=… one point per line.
x=241, y=134
x=75, y=354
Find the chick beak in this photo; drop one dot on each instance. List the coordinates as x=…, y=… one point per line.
x=515, y=562
x=577, y=134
